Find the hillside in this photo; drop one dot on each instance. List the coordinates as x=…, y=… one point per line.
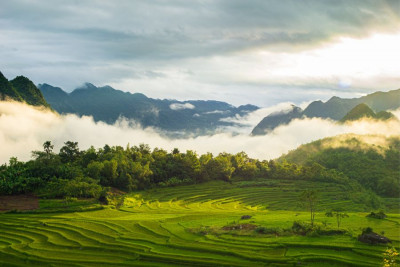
x=67, y=208
x=275, y=119
x=108, y=104
x=373, y=161
x=194, y=225
x=21, y=89
x=336, y=108
x=358, y=112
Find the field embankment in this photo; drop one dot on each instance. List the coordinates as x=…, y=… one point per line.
x=199, y=225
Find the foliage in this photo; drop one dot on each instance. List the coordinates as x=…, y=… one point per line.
x=374, y=167
x=75, y=173
x=390, y=257
x=377, y=215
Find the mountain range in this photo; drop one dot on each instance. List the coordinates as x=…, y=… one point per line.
x=185, y=118
x=336, y=109
x=108, y=104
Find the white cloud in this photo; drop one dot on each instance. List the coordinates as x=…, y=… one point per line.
x=24, y=128
x=180, y=106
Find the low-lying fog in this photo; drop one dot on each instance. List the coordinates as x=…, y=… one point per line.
x=24, y=128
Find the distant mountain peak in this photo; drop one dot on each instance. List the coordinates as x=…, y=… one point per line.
x=336, y=108
x=276, y=119
x=88, y=86
x=364, y=111
x=108, y=105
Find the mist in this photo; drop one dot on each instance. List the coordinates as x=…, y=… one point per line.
x=24, y=128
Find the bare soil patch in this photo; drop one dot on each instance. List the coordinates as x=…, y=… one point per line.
x=19, y=202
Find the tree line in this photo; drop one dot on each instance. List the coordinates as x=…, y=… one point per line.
x=87, y=173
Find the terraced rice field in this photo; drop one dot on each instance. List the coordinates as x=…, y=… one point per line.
x=182, y=226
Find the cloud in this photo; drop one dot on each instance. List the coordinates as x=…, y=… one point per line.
x=179, y=106
x=147, y=46
x=217, y=112
x=24, y=128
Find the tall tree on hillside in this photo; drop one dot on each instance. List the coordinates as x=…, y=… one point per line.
x=310, y=197
x=339, y=214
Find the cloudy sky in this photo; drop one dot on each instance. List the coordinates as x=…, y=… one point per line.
x=255, y=51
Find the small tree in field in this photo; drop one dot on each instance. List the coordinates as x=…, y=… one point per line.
x=338, y=214
x=310, y=197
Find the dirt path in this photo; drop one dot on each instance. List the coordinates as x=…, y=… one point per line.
x=19, y=202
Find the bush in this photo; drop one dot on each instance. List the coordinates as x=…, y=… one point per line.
x=378, y=215
x=268, y=231
x=302, y=228
x=367, y=230
x=61, y=188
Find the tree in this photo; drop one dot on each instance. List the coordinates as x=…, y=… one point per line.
x=310, y=197
x=48, y=148
x=69, y=152
x=339, y=214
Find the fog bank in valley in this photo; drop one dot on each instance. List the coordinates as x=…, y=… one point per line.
x=25, y=128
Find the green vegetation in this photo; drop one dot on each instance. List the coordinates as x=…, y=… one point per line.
x=21, y=89
x=76, y=173
x=190, y=210
x=198, y=225
x=376, y=166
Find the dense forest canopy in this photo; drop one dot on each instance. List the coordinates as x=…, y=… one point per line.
x=87, y=173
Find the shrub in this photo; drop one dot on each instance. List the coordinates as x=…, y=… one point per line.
x=378, y=215
x=268, y=231
x=367, y=230
x=302, y=228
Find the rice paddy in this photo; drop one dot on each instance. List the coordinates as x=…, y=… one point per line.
x=184, y=226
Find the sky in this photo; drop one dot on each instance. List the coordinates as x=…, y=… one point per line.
x=260, y=52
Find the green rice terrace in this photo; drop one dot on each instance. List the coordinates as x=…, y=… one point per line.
x=242, y=223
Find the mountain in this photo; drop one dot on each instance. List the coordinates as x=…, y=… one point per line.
x=7, y=91
x=21, y=89
x=108, y=105
x=275, y=119
x=363, y=111
x=28, y=91
x=336, y=108
x=373, y=160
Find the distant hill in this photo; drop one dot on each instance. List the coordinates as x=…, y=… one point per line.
x=336, y=108
x=372, y=160
x=108, y=104
x=275, y=119
x=363, y=111
x=21, y=89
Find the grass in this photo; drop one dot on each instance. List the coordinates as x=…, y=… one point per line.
x=183, y=226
